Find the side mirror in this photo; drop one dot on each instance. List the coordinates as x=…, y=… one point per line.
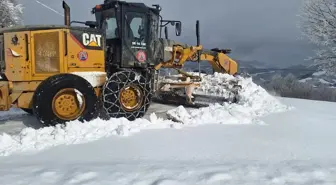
x=166, y=32
x=178, y=28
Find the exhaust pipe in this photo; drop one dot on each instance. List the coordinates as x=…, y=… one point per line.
x=198, y=44
x=66, y=13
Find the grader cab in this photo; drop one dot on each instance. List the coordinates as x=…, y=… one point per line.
x=61, y=73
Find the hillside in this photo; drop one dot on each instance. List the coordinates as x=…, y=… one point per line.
x=263, y=73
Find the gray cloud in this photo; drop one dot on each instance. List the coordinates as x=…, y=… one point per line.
x=263, y=30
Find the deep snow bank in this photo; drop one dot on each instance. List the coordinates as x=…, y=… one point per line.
x=255, y=102
x=76, y=132
x=252, y=96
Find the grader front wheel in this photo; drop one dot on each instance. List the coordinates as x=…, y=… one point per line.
x=131, y=98
x=127, y=94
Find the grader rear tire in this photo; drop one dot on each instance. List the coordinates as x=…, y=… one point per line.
x=55, y=101
x=127, y=94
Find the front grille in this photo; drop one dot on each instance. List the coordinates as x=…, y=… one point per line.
x=46, y=50
x=2, y=54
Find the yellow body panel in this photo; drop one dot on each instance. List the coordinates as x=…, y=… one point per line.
x=96, y=58
x=33, y=56
x=36, y=55
x=50, y=52
x=219, y=61
x=24, y=86
x=18, y=63
x=25, y=100
x=233, y=66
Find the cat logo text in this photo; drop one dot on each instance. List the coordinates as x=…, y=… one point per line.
x=92, y=40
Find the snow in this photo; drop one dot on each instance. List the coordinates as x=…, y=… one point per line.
x=73, y=133
x=262, y=140
x=253, y=98
x=324, y=81
x=79, y=97
x=319, y=73
x=305, y=79
x=292, y=148
x=14, y=112
x=95, y=78
x=255, y=102
x=320, y=79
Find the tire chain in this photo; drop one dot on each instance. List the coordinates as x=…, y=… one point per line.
x=117, y=79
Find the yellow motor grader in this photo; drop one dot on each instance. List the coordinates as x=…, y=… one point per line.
x=61, y=73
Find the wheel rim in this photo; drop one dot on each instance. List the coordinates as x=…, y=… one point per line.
x=66, y=105
x=131, y=98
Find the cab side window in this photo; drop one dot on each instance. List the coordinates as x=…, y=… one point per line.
x=135, y=26
x=111, y=28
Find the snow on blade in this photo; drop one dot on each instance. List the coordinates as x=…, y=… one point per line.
x=254, y=102
x=96, y=78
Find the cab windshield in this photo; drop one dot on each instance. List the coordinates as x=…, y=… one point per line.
x=108, y=22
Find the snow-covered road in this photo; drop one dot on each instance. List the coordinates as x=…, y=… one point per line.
x=295, y=147
x=14, y=121
x=259, y=141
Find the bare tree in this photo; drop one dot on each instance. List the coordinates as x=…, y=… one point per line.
x=10, y=13
x=289, y=86
x=318, y=24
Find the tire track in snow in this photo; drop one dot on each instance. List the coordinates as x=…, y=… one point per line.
x=292, y=172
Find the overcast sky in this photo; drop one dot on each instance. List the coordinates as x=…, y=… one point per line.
x=263, y=30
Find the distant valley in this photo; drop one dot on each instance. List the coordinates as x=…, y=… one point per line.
x=263, y=73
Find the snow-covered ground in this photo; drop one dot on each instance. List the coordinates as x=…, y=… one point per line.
x=262, y=140
x=320, y=78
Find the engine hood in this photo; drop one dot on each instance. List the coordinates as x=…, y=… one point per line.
x=41, y=27
x=29, y=28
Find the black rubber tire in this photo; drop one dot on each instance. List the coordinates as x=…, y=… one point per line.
x=29, y=111
x=43, y=96
x=111, y=90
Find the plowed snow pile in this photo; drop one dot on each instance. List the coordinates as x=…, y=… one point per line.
x=255, y=102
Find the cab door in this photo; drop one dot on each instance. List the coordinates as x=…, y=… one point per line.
x=135, y=33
